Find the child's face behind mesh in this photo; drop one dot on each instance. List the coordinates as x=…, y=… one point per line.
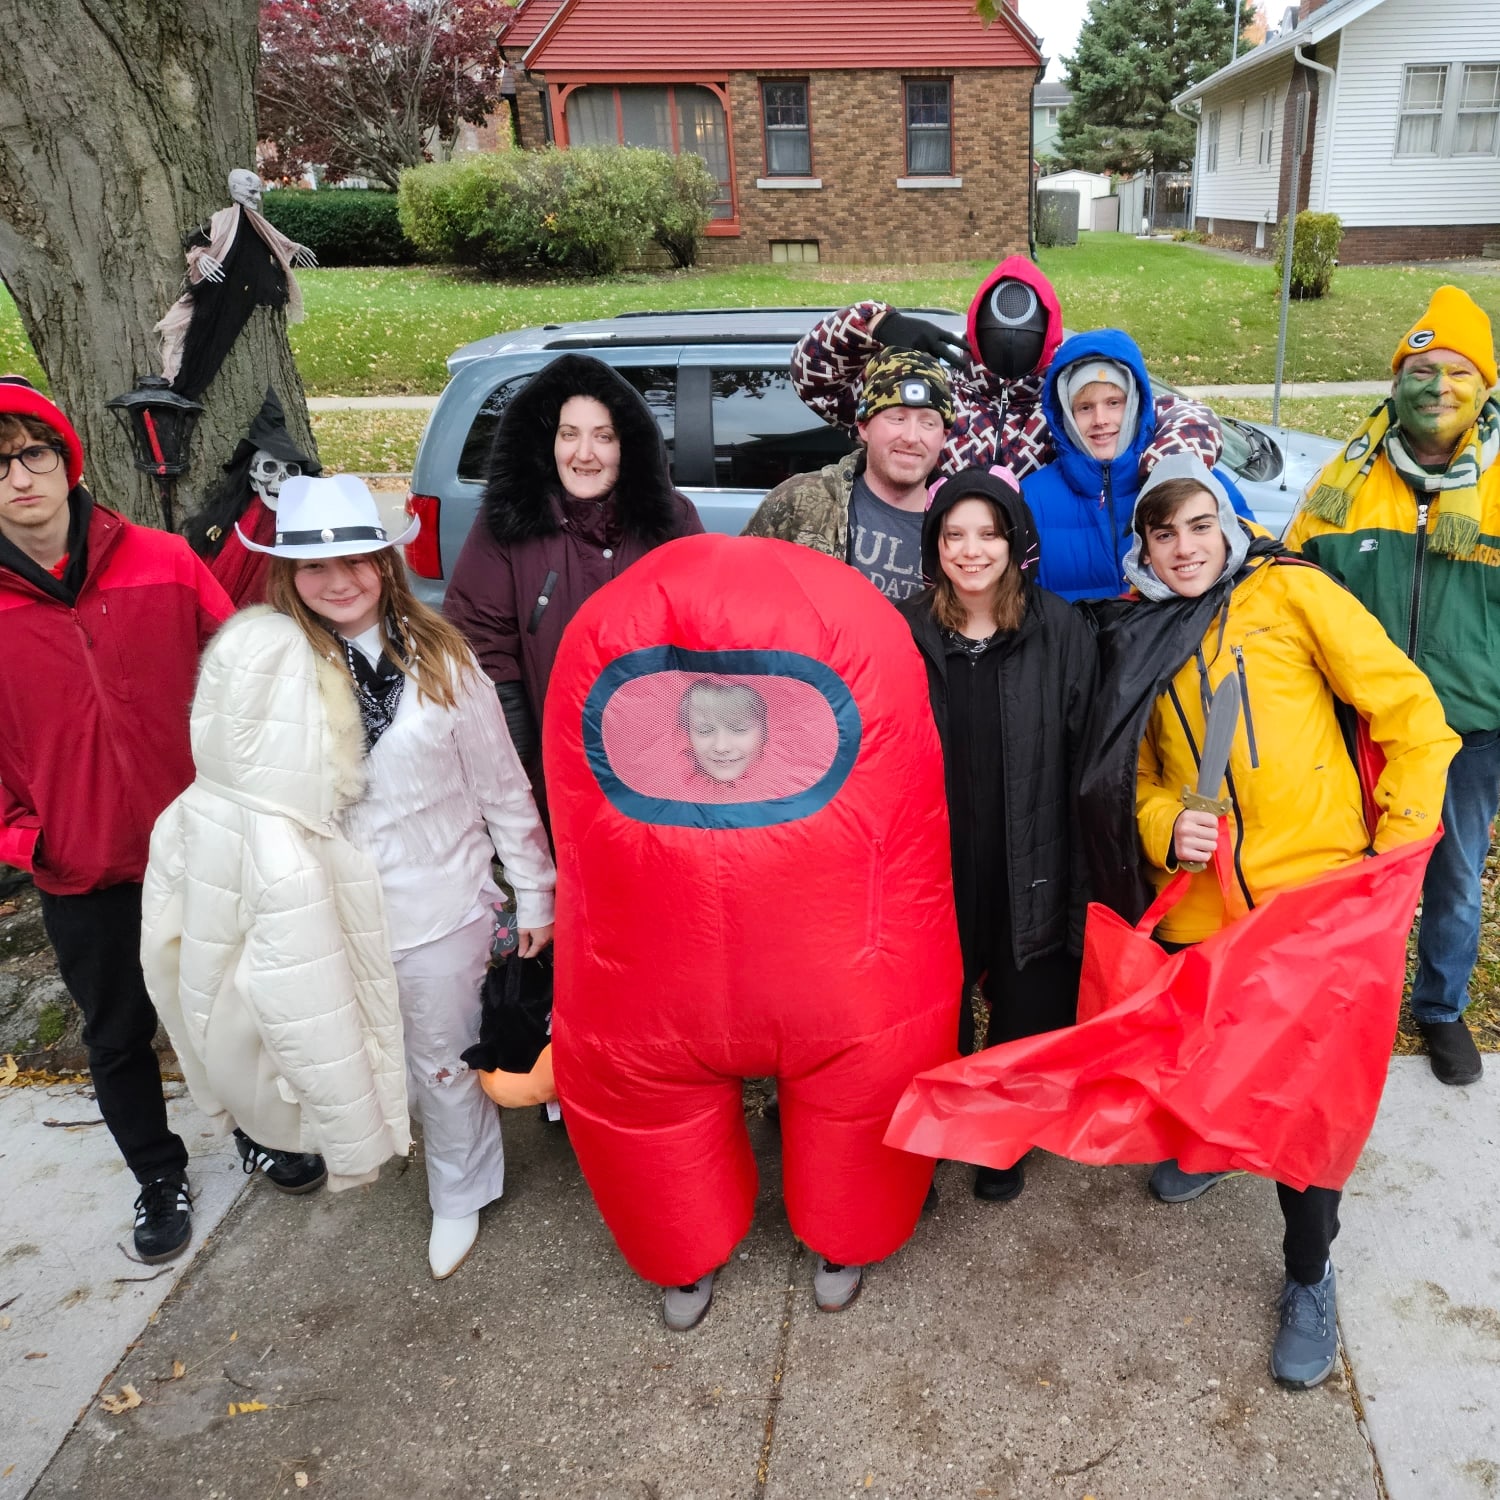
x=725, y=731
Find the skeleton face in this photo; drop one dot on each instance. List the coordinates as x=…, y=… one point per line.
x=267, y=472
x=245, y=188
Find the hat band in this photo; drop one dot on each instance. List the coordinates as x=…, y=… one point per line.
x=330, y=534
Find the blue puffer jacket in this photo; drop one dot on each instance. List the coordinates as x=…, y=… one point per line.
x=1082, y=505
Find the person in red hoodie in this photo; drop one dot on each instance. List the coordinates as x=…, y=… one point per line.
x=1015, y=326
x=103, y=623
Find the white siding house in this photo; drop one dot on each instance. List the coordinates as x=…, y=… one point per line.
x=1404, y=146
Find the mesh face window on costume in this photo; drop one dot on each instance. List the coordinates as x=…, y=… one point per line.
x=1011, y=328
x=268, y=473
x=720, y=739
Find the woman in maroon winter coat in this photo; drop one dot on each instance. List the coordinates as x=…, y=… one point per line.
x=578, y=490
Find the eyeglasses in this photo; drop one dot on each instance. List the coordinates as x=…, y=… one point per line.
x=40, y=458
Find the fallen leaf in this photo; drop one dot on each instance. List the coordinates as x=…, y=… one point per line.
x=233, y=1336
x=300, y=1479
x=10, y=1071
x=178, y=1369
x=869, y=1480
x=128, y=1399
x=1044, y=1382
x=9, y=1470
x=239, y=1408
x=4, y=1322
x=36, y=1354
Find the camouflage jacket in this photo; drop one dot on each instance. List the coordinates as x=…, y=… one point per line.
x=995, y=421
x=812, y=509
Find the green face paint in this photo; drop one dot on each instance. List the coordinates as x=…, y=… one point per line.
x=1438, y=395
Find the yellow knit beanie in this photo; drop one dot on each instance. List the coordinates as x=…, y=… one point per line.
x=1453, y=320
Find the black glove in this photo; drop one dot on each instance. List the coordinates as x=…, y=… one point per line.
x=899, y=330
x=519, y=719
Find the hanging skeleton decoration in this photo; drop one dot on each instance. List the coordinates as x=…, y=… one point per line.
x=266, y=457
x=236, y=262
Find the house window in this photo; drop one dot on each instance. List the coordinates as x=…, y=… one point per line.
x=1054, y=113
x=794, y=252
x=1478, y=110
x=672, y=117
x=1211, y=141
x=1422, y=91
x=1266, y=140
x=929, y=128
x=788, y=136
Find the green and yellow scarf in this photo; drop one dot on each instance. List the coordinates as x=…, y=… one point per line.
x=1457, y=528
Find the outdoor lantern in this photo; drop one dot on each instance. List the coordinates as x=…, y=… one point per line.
x=160, y=426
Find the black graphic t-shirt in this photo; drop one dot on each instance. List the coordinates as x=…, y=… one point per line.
x=885, y=544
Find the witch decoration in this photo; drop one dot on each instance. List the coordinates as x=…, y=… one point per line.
x=247, y=493
x=236, y=262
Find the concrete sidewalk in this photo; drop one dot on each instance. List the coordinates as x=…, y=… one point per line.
x=1082, y=1341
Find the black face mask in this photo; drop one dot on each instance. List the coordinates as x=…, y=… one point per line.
x=1011, y=327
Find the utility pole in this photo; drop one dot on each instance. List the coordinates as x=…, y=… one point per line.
x=1299, y=144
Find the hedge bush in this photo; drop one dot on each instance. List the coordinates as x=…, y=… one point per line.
x=1315, y=252
x=585, y=211
x=342, y=226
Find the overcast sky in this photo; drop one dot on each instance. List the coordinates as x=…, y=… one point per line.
x=1057, y=22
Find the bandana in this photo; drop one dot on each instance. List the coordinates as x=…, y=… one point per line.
x=1457, y=528
x=377, y=690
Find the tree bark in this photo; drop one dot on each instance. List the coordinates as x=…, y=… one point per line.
x=119, y=122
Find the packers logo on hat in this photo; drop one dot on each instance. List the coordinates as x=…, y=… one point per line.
x=1420, y=339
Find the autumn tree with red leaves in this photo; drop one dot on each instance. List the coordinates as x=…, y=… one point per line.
x=367, y=88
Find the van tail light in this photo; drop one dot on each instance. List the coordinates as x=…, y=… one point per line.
x=424, y=553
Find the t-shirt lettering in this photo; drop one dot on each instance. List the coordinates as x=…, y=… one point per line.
x=885, y=543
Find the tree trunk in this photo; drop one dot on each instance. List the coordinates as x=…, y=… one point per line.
x=119, y=123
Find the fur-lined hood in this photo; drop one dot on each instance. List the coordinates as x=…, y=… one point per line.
x=275, y=726
x=521, y=495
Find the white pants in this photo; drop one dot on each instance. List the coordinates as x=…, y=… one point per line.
x=439, y=985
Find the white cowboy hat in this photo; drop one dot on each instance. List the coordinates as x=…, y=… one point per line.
x=319, y=516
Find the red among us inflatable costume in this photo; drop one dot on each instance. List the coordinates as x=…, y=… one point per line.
x=753, y=880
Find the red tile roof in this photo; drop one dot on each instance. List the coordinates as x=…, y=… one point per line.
x=527, y=23
x=646, y=36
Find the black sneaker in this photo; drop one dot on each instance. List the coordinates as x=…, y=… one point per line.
x=1451, y=1050
x=287, y=1171
x=163, y=1218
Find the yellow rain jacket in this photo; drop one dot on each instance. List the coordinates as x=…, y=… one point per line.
x=1296, y=639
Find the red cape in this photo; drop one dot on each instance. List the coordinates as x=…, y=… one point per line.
x=1263, y=1048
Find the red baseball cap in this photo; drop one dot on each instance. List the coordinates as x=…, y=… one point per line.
x=19, y=398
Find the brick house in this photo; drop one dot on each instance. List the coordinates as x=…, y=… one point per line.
x=895, y=130
x=1402, y=135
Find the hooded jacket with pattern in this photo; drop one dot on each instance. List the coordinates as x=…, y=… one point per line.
x=528, y=565
x=996, y=421
x=1084, y=505
x=95, y=682
x=1444, y=612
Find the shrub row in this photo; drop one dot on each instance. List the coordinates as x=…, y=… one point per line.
x=585, y=211
x=342, y=226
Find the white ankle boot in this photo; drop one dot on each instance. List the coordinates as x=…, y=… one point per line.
x=449, y=1243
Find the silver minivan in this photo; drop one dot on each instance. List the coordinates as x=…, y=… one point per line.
x=718, y=384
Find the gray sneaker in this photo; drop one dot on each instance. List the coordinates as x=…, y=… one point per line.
x=1307, y=1343
x=835, y=1287
x=1172, y=1185
x=683, y=1307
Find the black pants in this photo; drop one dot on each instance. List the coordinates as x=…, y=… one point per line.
x=1312, y=1223
x=97, y=939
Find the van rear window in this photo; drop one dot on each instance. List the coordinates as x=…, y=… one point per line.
x=763, y=433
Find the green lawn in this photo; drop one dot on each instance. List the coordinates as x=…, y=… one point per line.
x=1200, y=319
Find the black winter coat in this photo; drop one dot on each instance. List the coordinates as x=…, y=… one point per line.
x=1046, y=678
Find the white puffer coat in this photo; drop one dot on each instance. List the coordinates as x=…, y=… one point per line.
x=264, y=939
